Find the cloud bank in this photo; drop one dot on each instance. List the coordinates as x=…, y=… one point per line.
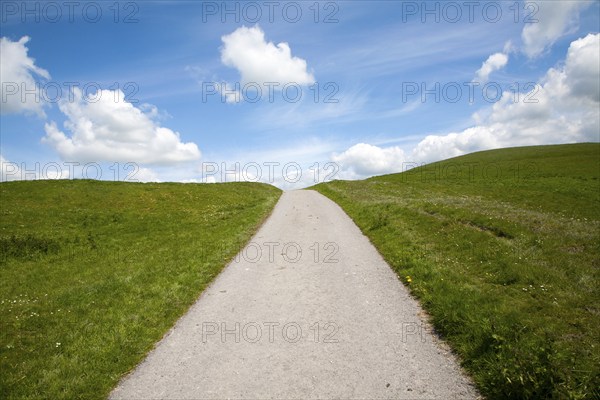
x=563, y=108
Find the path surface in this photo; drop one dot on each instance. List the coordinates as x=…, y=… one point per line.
x=336, y=323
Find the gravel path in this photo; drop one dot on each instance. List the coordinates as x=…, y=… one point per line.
x=309, y=309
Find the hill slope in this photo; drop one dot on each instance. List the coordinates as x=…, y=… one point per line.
x=502, y=248
x=93, y=273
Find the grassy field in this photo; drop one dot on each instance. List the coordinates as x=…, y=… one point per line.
x=93, y=273
x=503, y=250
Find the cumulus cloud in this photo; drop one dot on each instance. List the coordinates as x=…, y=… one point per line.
x=18, y=74
x=260, y=61
x=581, y=68
x=365, y=160
x=108, y=128
x=493, y=63
x=554, y=19
x=563, y=108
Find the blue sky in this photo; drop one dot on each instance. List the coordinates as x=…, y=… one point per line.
x=161, y=68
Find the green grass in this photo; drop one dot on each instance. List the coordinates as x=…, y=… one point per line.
x=92, y=274
x=502, y=248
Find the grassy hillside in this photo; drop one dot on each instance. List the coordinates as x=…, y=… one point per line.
x=502, y=248
x=93, y=273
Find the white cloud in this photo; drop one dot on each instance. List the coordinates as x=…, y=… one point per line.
x=364, y=159
x=554, y=19
x=260, y=61
x=108, y=128
x=17, y=78
x=493, y=63
x=581, y=68
x=435, y=148
x=566, y=110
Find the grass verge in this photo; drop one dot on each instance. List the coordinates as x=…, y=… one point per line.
x=503, y=250
x=92, y=273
